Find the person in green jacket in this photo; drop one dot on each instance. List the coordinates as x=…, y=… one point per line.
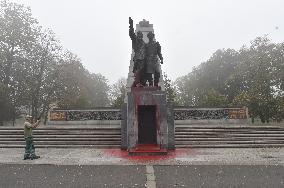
x=28, y=132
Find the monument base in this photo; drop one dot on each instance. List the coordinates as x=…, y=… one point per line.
x=147, y=122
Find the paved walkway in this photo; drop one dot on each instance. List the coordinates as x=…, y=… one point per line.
x=242, y=156
x=251, y=168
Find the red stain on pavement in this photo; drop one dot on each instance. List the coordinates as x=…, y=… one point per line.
x=118, y=153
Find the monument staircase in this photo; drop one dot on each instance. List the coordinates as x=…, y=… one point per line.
x=229, y=136
x=186, y=136
x=62, y=137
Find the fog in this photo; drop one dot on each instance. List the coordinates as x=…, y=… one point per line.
x=188, y=31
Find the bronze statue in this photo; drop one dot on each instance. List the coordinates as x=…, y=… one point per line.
x=153, y=51
x=138, y=45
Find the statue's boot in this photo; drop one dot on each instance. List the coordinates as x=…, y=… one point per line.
x=26, y=157
x=35, y=157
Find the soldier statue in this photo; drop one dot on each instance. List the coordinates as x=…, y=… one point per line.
x=153, y=51
x=138, y=45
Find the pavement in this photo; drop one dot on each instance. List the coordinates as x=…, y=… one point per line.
x=220, y=167
x=206, y=156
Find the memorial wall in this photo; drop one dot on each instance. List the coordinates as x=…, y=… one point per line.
x=179, y=114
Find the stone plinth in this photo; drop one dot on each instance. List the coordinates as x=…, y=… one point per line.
x=134, y=127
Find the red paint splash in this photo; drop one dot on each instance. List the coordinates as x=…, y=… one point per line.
x=118, y=153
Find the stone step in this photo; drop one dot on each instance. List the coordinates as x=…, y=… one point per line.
x=225, y=135
x=232, y=133
x=63, y=142
x=147, y=150
x=228, y=130
x=232, y=128
x=148, y=153
x=62, y=129
x=118, y=139
x=231, y=146
x=63, y=136
x=79, y=127
x=232, y=138
x=228, y=126
x=230, y=142
x=67, y=130
x=63, y=133
x=189, y=136
x=63, y=146
x=62, y=139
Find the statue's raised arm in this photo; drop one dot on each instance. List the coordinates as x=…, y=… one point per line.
x=131, y=29
x=138, y=46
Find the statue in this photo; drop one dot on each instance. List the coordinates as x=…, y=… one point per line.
x=153, y=51
x=138, y=45
x=146, y=64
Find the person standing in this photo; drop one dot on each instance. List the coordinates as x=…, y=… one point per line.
x=28, y=132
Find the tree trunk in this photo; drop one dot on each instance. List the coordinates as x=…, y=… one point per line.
x=45, y=118
x=14, y=116
x=8, y=67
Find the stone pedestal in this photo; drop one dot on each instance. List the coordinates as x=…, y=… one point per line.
x=147, y=121
x=147, y=125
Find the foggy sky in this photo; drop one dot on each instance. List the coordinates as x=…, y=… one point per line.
x=189, y=31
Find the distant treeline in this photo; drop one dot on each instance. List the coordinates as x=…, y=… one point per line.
x=252, y=76
x=36, y=72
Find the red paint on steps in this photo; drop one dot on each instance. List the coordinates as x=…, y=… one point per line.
x=118, y=153
x=148, y=149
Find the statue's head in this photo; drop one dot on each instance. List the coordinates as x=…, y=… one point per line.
x=150, y=36
x=139, y=35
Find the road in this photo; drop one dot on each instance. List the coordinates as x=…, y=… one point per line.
x=162, y=176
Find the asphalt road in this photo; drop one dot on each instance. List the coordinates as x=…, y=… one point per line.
x=43, y=176
x=220, y=176
x=52, y=176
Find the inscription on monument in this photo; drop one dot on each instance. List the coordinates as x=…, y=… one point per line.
x=223, y=113
x=57, y=116
x=179, y=114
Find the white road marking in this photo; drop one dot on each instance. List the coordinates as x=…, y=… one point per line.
x=151, y=179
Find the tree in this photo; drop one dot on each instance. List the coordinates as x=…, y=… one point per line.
x=279, y=115
x=42, y=61
x=117, y=93
x=185, y=90
x=98, y=90
x=212, y=99
x=256, y=78
x=251, y=76
x=6, y=110
x=35, y=72
x=77, y=88
x=17, y=35
x=170, y=91
x=207, y=77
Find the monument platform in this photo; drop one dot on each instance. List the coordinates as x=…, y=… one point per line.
x=148, y=128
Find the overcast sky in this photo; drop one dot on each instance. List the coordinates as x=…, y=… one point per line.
x=189, y=31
